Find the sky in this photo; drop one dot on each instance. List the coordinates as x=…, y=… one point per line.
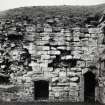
x=9, y=4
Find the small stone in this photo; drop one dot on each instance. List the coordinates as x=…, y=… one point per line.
x=56, y=94
x=45, y=57
x=12, y=45
x=66, y=57
x=73, y=84
x=74, y=79
x=62, y=74
x=47, y=29
x=63, y=84
x=84, y=70
x=71, y=74
x=55, y=79
x=75, y=39
x=55, y=52
x=77, y=56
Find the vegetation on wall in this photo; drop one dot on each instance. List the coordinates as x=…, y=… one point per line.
x=67, y=15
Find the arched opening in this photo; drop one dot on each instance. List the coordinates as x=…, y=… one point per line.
x=89, y=87
x=41, y=90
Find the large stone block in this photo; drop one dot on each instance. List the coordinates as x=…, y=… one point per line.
x=76, y=39
x=94, y=30
x=81, y=63
x=68, y=48
x=64, y=80
x=62, y=74
x=46, y=48
x=73, y=85
x=47, y=29
x=57, y=52
x=76, y=29
x=68, y=34
x=69, y=38
x=84, y=70
x=86, y=57
x=87, y=35
x=41, y=43
x=28, y=79
x=100, y=39
x=86, y=49
x=57, y=89
x=45, y=38
x=84, y=30
x=73, y=93
x=77, y=44
x=42, y=53
x=30, y=28
x=76, y=54
x=61, y=43
x=52, y=57
x=57, y=94
x=71, y=74
x=61, y=47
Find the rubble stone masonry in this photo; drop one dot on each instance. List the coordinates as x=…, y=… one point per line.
x=60, y=58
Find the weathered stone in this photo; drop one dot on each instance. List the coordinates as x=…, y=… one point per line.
x=84, y=70
x=56, y=94
x=73, y=84
x=76, y=56
x=55, y=52
x=75, y=69
x=69, y=52
x=52, y=56
x=62, y=74
x=45, y=38
x=45, y=48
x=66, y=57
x=41, y=43
x=81, y=64
x=57, y=89
x=62, y=47
x=74, y=79
x=71, y=74
x=28, y=79
x=64, y=80
x=87, y=35
x=63, y=84
x=42, y=53
x=76, y=39
x=94, y=30
x=55, y=79
x=47, y=29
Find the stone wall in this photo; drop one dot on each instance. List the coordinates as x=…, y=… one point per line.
x=59, y=57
